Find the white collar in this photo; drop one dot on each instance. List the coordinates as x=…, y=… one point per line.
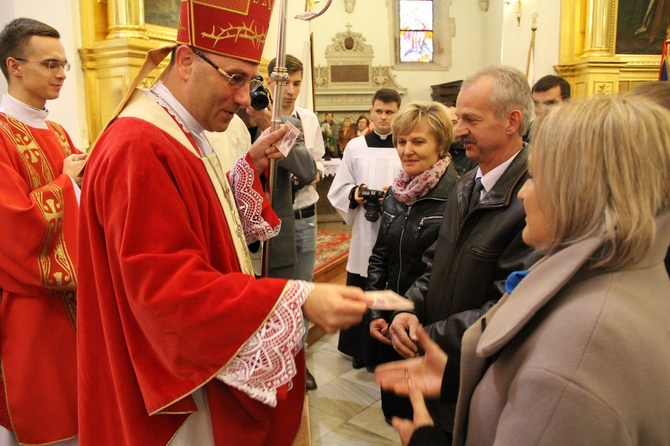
x=491, y=178
x=294, y=113
x=24, y=112
x=188, y=121
x=382, y=137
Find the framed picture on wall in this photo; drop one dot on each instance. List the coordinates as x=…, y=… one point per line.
x=641, y=26
x=162, y=12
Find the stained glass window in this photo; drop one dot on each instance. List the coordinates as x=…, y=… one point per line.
x=416, y=30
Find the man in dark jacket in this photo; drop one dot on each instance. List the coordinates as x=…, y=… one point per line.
x=479, y=243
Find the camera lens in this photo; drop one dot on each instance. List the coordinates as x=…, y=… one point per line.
x=372, y=205
x=259, y=99
x=372, y=212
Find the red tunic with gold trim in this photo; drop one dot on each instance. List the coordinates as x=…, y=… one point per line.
x=163, y=306
x=39, y=215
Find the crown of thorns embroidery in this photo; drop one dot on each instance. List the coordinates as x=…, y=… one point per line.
x=237, y=32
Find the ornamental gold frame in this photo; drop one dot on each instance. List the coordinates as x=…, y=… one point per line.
x=587, y=51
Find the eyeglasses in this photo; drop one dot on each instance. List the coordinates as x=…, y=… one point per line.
x=234, y=80
x=50, y=64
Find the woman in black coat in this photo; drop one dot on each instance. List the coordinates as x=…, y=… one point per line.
x=412, y=213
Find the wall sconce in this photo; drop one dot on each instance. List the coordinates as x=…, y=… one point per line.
x=484, y=5
x=516, y=4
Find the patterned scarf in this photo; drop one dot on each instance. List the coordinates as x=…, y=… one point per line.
x=408, y=189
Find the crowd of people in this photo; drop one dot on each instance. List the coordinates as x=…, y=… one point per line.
x=337, y=136
x=529, y=230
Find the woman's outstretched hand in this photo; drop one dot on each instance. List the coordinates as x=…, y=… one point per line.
x=424, y=372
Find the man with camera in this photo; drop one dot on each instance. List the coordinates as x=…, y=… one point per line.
x=369, y=165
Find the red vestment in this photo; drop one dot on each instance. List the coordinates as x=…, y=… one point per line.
x=39, y=215
x=163, y=305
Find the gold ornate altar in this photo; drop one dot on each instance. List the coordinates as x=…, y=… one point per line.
x=116, y=35
x=115, y=41
x=589, y=57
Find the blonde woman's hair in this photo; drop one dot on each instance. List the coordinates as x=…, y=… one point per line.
x=602, y=168
x=435, y=114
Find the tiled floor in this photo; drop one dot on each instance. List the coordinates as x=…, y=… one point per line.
x=345, y=409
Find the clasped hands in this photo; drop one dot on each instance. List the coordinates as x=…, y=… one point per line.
x=401, y=333
x=72, y=166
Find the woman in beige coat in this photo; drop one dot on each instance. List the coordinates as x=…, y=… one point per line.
x=578, y=351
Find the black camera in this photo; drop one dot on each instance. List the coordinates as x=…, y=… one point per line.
x=296, y=184
x=372, y=206
x=260, y=98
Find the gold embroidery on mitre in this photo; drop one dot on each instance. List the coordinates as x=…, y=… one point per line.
x=236, y=32
x=56, y=267
x=238, y=6
x=245, y=31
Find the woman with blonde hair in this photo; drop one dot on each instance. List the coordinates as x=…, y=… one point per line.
x=411, y=217
x=578, y=351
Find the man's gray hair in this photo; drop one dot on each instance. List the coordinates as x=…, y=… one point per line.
x=511, y=91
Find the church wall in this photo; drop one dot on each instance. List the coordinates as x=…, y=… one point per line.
x=481, y=38
x=517, y=38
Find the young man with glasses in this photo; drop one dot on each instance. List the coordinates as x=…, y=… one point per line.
x=178, y=342
x=39, y=209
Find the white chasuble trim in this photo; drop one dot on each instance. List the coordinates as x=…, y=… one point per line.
x=250, y=203
x=267, y=360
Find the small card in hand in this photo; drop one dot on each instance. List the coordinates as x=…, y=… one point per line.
x=287, y=141
x=388, y=300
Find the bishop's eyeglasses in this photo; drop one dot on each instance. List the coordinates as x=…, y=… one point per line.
x=234, y=80
x=51, y=64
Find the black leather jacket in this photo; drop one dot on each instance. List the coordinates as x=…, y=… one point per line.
x=404, y=234
x=472, y=257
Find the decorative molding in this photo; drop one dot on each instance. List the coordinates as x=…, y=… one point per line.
x=161, y=33
x=603, y=88
x=347, y=45
x=349, y=80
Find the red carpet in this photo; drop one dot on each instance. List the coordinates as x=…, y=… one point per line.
x=332, y=248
